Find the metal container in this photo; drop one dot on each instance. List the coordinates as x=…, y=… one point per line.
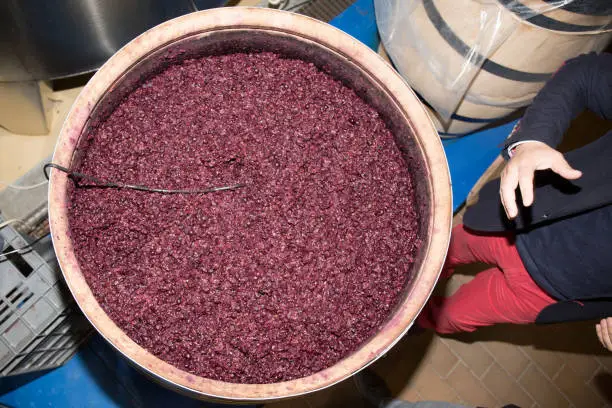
x=252, y=29
x=41, y=40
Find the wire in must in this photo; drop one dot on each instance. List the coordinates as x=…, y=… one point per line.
x=119, y=185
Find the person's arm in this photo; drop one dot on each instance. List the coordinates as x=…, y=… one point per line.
x=582, y=83
x=604, y=332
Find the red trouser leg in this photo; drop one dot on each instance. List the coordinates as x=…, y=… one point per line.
x=505, y=293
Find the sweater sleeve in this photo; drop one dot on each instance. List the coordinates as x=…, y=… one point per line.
x=584, y=82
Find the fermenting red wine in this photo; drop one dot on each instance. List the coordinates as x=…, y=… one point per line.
x=271, y=282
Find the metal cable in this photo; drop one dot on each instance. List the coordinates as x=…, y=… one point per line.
x=119, y=185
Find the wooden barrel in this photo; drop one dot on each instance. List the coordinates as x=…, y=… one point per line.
x=579, y=16
x=462, y=122
x=441, y=32
x=227, y=30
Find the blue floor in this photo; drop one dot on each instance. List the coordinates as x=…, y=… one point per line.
x=96, y=376
x=469, y=156
x=99, y=377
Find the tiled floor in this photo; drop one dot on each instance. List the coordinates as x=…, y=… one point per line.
x=530, y=366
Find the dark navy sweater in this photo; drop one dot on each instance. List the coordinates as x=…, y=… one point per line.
x=570, y=258
x=565, y=238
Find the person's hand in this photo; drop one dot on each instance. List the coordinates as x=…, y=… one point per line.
x=604, y=332
x=519, y=172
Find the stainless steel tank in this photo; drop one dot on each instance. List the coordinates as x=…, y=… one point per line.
x=41, y=40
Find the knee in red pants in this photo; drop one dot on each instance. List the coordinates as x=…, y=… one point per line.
x=440, y=315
